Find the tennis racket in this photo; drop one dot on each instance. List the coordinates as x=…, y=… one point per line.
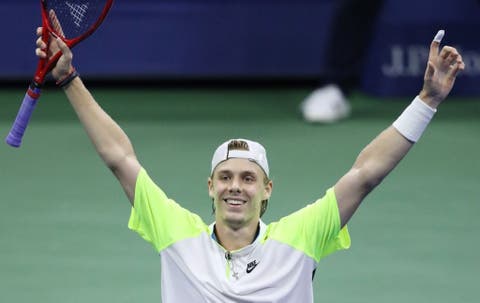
x=72, y=21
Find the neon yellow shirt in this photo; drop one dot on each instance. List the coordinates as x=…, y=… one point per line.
x=276, y=267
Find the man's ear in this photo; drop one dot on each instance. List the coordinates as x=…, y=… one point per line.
x=268, y=190
x=210, y=187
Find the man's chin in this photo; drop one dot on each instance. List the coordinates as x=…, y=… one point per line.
x=235, y=220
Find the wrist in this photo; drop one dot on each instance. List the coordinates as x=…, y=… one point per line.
x=414, y=119
x=64, y=81
x=428, y=99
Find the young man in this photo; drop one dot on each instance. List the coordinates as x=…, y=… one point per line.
x=238, y=258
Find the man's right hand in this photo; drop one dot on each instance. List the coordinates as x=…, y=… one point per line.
x=63, y=67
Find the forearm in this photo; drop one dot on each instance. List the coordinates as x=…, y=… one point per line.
x=372, y=165
x=385, y=151
x=380, y=157
x=110, y=141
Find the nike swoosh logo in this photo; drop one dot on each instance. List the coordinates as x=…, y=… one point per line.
x=251, y=266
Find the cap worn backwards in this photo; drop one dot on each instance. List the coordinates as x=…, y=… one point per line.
x=241, y=148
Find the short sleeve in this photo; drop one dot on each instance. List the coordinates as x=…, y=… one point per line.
x=314, y=229
x=158, y=219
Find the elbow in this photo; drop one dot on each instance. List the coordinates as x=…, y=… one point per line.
x=368, y=178
x=114, y=158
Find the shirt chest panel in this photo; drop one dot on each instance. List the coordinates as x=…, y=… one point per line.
x=263, y=269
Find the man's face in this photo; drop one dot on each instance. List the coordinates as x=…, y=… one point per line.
x=238, y=189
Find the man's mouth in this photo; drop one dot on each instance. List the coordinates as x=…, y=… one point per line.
x=234, y=202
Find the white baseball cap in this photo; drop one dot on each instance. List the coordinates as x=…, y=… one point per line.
x=241, y=148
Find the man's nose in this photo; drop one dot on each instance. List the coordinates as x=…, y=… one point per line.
x=235, y=185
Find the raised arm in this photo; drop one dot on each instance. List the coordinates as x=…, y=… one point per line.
x=111, y=143
x=381, y=156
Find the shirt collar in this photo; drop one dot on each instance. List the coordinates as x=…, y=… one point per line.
x=262, y=227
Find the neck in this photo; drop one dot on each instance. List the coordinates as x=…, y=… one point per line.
x=234, y=239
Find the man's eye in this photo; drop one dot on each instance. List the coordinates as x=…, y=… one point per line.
x=249, y=179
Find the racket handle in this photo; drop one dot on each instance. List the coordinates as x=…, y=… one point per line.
x=29, y=102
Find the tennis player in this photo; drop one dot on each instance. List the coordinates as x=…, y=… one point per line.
x=238, y=258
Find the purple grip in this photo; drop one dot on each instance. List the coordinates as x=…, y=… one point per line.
x=15, y=135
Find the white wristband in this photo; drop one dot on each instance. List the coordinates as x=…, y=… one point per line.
x=414, y=119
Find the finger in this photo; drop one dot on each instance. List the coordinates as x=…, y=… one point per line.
x=434, y=46
x=451, y=59
x=55, y=23
x=41, y=44
x=454, y=70
x=64, y=48
x=39, y=33
x=439, y=36
x=460, y=62
x=40, y=53
x=446, y=51
x=430, y=70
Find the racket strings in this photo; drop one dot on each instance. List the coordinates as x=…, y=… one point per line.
x=72, y=18
x=77, y=12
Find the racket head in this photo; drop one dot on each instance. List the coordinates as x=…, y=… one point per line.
x=70, y=20
x=74, y=20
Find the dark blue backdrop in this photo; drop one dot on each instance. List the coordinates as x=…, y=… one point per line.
x=276, y=38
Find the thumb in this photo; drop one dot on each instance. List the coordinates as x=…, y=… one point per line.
x=67, y=56
x=64, y=64
x=63, y=47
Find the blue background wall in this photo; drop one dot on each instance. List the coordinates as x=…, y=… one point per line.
x=251, y=39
